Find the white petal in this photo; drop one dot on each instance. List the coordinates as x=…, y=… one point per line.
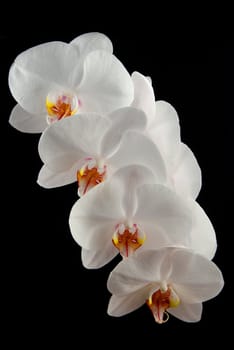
x=92, y=41
x=165, y=112
x=41, y=69
x=122, y=305
x=145, y=269
x=203, y=238
x=149, y=79
x=194, y=278
x=49, y=179
x=187, y=312
x=72, y=139
x=129, y=178
x=186, y=176
x=94, y=217
x=26, y=122
x=106, y=85
x=123, y=119
x=94, y=259
x=164, y=212
x=144, y=98
x=165, y=130
x=135, y=148
x=156, y=237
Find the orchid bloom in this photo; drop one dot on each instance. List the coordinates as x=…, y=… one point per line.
x=170, y=280
x=81, y=148
x=163, y=128
x=129, y=213
x=56, y=80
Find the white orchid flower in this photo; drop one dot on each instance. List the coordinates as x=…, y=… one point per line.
x=81, y=148
x=129, y=213
x=170, y=280
x=55, y=80
x=163, y=128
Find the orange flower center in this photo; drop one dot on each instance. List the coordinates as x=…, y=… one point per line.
x=128, y=240
x=160, y=301
x=89, y=176
x=61, y=105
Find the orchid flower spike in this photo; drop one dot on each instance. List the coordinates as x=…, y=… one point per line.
x=170, y=281
x=56, y=80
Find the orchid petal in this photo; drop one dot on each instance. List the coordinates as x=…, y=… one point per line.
x=48, y=178
x=129, y=178
x=187, y=174
x=187, y=312
x=72, y=139
x=94, y=259
x=123, y=119
x=164, y=213
x=122, y=305
x=147, y=268
x=106, y=85
x=89, y=42
x=203, y=238
x=195, y=278
x=144, y=98
x=165, y=130
x=93, y=217
x=27, y=122
x=135, y=148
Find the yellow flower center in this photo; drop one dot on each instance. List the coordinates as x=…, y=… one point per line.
x=160, y=301
x=128, y=240
x=61, y=105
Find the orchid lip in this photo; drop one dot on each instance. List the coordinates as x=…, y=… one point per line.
x=161, y=300
x=127, y=239
x=60, y=105
x=90, y=175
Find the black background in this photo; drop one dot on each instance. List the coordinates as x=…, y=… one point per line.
x=48, y=295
